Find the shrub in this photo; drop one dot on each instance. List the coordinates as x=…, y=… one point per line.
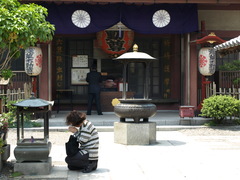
x=230, y=66
x=219, y=107
x=236, y=81
x=6, y=73
x=11, y=114
x=1, y=146
x=11, y=117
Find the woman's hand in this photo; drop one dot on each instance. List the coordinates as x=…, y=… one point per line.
x=72, y=129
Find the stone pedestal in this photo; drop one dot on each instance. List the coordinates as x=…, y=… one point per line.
x=129, y=133
x=34, y=168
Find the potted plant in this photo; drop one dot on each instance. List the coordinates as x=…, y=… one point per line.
x=4, y=147
x=1, y=151
x=5, y=76
x=22, y=25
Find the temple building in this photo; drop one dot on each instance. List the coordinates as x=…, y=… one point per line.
x=93, y=33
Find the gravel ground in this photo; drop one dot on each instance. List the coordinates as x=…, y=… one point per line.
x=59, y=138
x=213, y=131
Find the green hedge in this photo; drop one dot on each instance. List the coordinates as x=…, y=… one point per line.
x=219, y=107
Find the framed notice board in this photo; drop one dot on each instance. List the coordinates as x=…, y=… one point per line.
x=78, y=76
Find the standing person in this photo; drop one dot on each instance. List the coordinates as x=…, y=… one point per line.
x=86, y=134
x=94, y=79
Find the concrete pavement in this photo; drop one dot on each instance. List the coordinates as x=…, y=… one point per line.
x=162, y=118
x=175, y=156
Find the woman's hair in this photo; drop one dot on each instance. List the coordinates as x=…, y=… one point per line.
x=75, y=118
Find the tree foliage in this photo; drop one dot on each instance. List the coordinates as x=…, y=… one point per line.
x=231, y=66
x=21, y=26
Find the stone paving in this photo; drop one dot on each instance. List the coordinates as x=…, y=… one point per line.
x=177, y=155
x=162, y=118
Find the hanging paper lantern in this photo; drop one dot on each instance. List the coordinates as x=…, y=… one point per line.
x=33, y=61
x=207, y=61
x=115, y=42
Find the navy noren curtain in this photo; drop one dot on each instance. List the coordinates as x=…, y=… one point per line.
x=184, y=17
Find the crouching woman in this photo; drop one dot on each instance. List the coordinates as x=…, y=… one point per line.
x=84, y=132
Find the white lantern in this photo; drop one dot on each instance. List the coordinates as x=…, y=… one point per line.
x=207, y=61
x=33, y=61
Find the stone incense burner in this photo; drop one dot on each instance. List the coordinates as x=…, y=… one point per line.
x=135, y=109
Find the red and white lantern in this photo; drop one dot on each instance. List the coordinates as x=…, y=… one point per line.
x=207, y=61
x=112, y=44
x=33, y=61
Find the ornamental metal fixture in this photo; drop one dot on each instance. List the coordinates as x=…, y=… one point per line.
x=81, y=18
x=161, y=18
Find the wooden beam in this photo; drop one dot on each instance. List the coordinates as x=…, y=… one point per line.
x=145, y=1
x=203, y=1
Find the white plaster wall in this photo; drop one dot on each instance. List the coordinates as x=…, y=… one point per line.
x=224, y=20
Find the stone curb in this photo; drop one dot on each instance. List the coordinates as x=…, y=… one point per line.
x=111, y=128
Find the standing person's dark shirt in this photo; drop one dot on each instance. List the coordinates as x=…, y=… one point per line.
x=94, y=79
